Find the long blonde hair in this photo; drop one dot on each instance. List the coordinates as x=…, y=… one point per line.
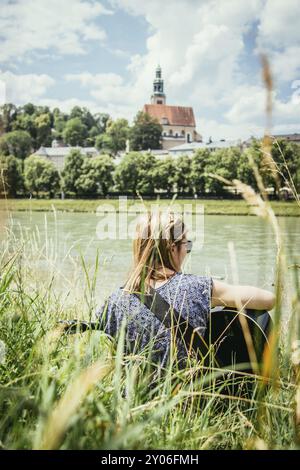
x=156, y=232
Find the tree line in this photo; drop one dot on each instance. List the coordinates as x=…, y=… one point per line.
x=144, y=173
x=24, y=129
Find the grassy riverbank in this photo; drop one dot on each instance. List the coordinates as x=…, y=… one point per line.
x=81, y=391
x=211, y=206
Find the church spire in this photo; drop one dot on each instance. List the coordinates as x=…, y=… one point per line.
x=158, y=96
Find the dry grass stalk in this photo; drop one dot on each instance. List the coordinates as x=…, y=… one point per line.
x=59, y=419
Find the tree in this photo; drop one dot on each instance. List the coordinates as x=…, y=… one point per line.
x=84, y=115
x=114, y=139
x=75, y=132
x=101, y=120
x=103, y=143
x=164, y=173
x=245, y=171
x=16, y=143
x=43, y=130
x=223, y=163
x=286, y=156
x=135, y=173
x=146, y=133
x=59, y=123
x=198, y=168
x=182, y=178
x=11, y=179
x=37, y=121
x=96, y=176
x=72, y=170
x=40, y=175
x=8, y=114
x=118, y=132
x=93, y=134
x=26, y=122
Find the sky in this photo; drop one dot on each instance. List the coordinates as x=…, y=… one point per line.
x=103, y=55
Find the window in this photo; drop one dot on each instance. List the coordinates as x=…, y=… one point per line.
x=188, y=138
x=183, y=132
x=159, y=101
x=170, y=132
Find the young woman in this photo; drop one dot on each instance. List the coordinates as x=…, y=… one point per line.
x=159, y=249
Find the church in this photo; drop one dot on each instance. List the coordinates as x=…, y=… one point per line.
x=178, y=122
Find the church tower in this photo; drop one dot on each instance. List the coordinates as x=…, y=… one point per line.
x=158, y=96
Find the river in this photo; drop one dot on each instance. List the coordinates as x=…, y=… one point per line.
x=53, y=244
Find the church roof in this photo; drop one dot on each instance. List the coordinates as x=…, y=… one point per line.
x=171, y=115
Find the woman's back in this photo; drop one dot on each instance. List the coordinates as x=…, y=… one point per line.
x=188, y=294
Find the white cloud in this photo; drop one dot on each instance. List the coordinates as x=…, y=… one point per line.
x=279, y=37
x=109, y=90
x=200, y=45
x=279, y=23
x=249, y=110
x=197, y=43
x=286, y=66
x=67, y=104
x=24, y=88
x=28, y=25
x=105, y=87
x=219, y=130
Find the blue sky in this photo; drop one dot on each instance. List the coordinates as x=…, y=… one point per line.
x=103, y=54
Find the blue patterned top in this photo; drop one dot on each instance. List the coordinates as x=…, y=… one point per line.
x=189, y=294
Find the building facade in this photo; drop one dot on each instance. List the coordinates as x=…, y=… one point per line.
x=57, y=155
x=178, y=122
x=294, y=138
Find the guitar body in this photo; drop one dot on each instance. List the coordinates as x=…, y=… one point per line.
x=225, y=334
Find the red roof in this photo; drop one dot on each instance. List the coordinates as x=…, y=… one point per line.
x=175, y=115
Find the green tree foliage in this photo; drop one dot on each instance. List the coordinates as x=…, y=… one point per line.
x=114, y=139
x=26, y=128
x=135, y=173
x=101, y=120
x=164, y=173
x=84, y=115
x=8, y=114
x=145, y=133
x=96, y=175
x=286, y=156
x=198, y=166
x=11, y=178
x=92, y=136
x=37, y=121
x=245, y=171
x=40, y=176
x=223, y=163
x=59, y=123
x=95, y=125
x=16, y=143
x=75, y=132
x=104, y=144
x=183, y=176
x=118, y=132
x=72, y=171
x=43, y=130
